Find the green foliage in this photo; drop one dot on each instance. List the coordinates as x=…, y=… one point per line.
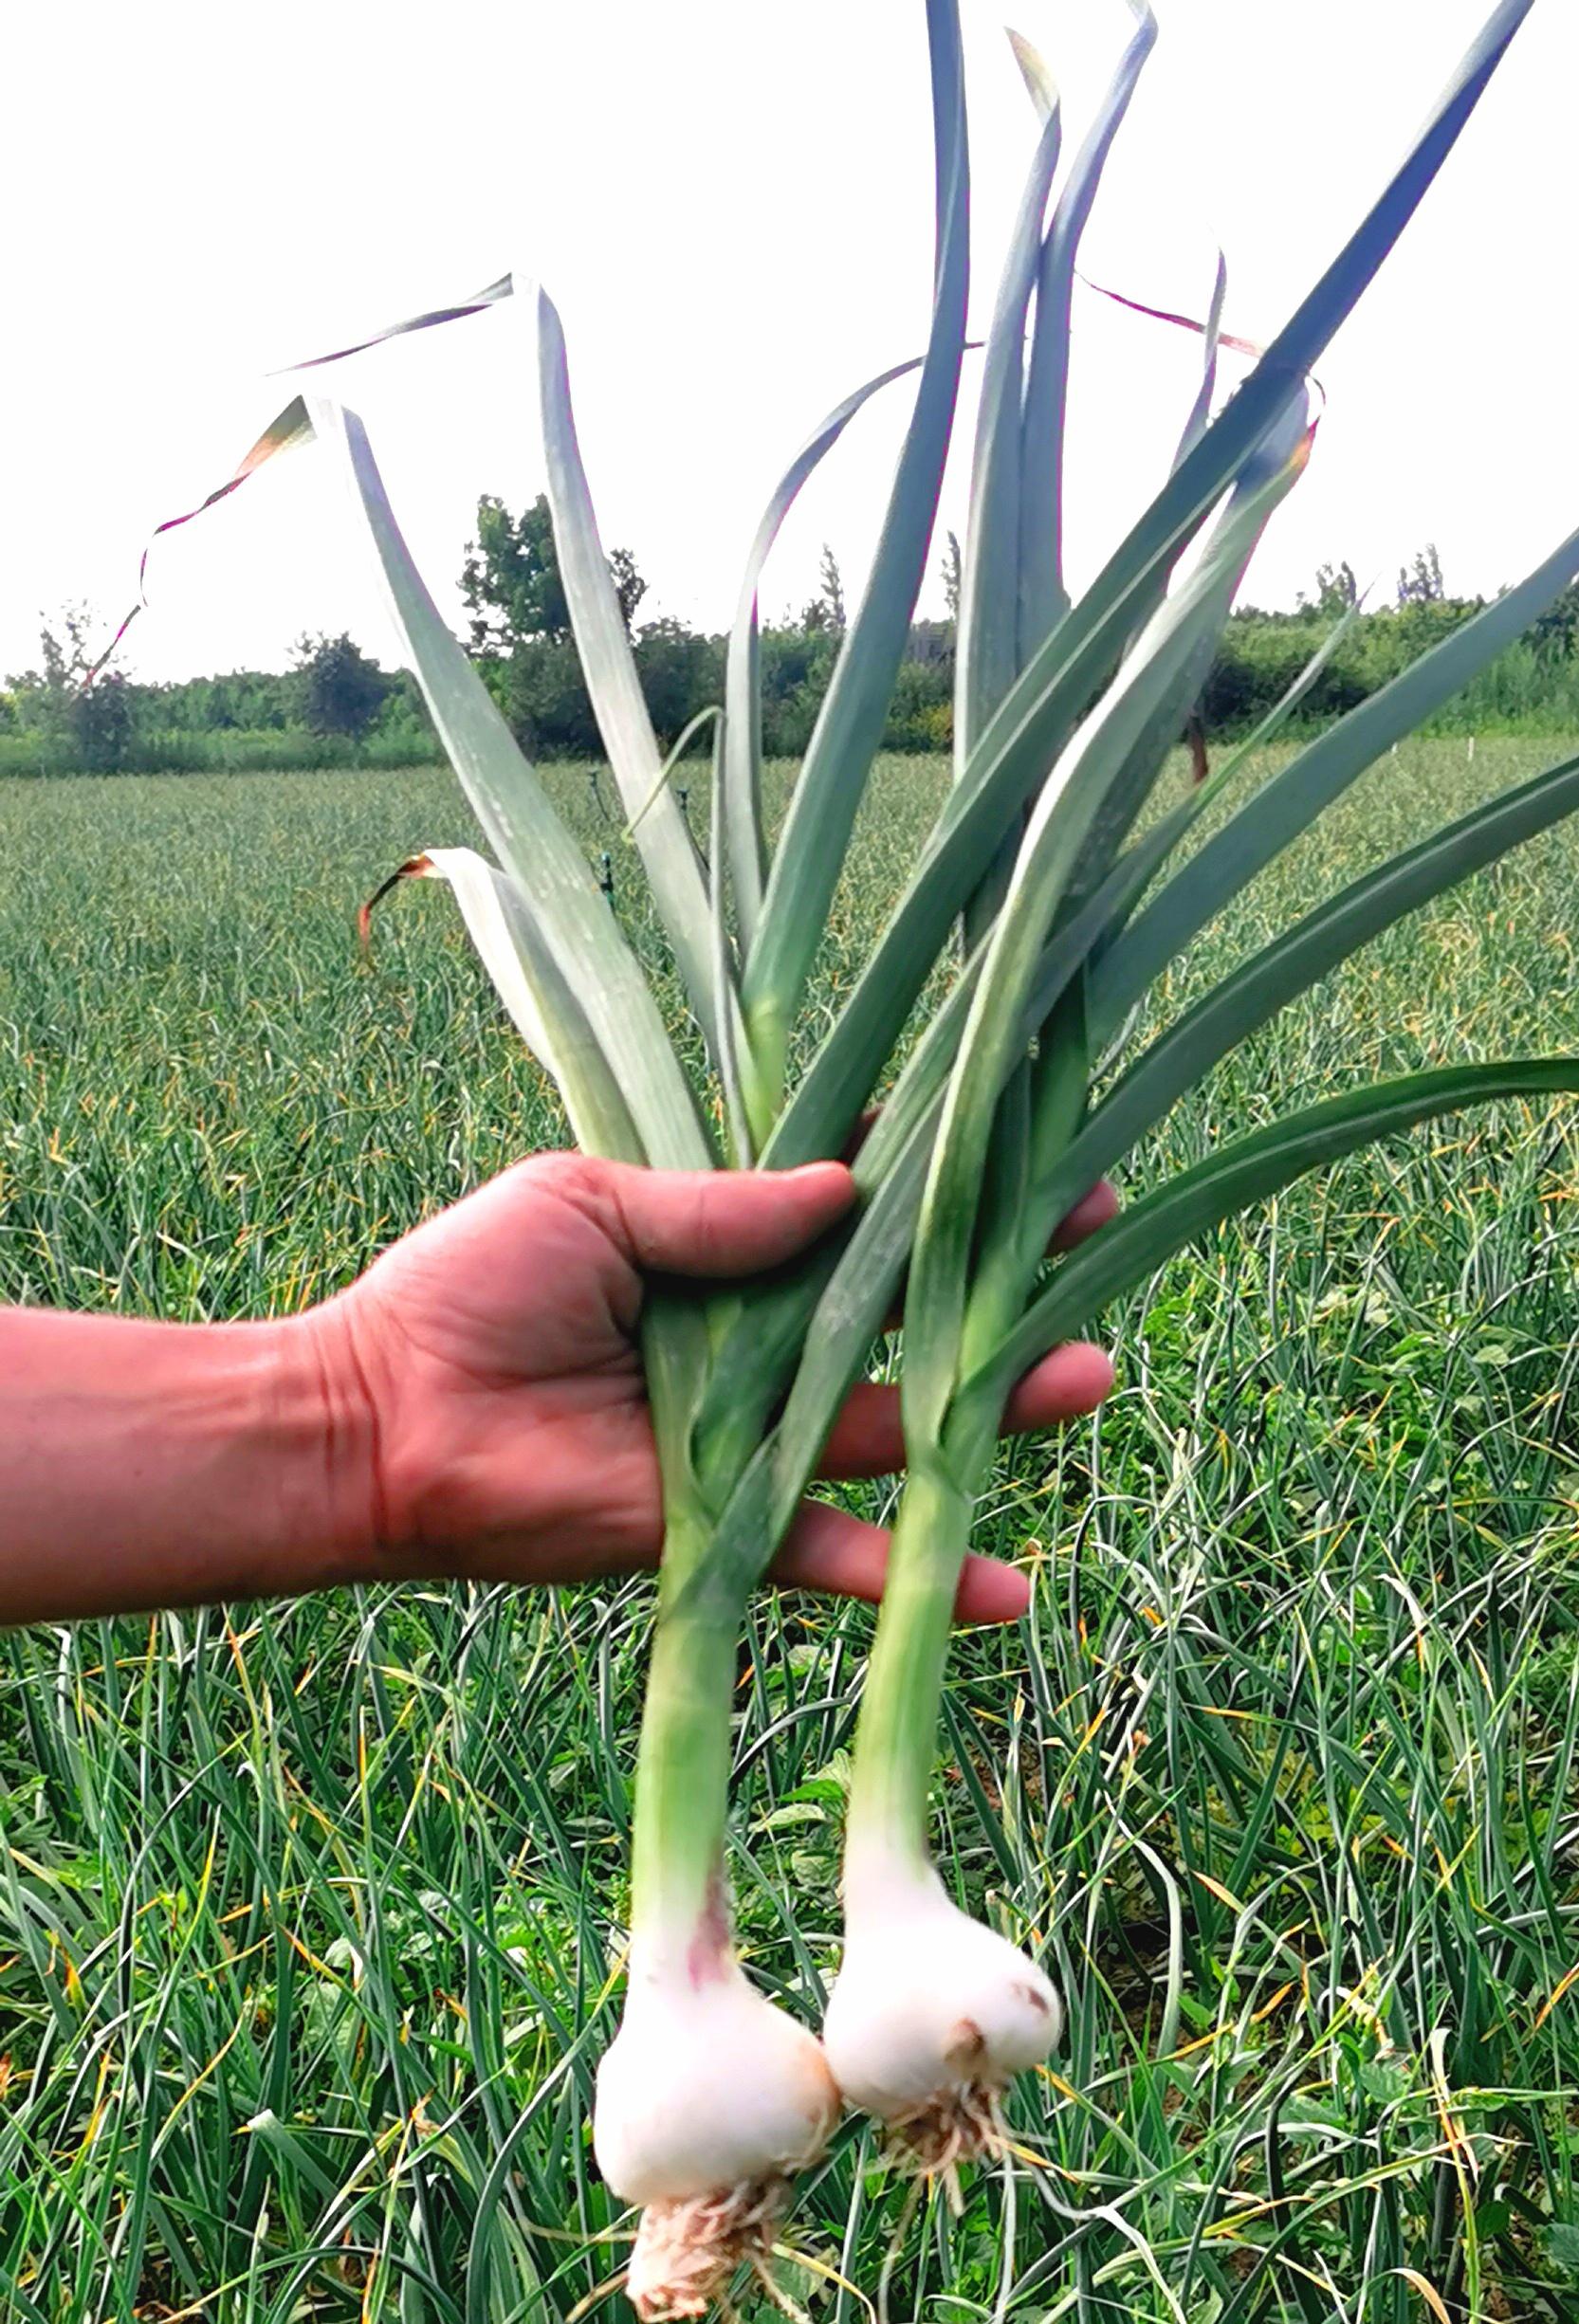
x=251, y=700
x=1421, y=582
x=521, y=633
x=89, y=727
x=510, y=579
x=1556, y=634
x=334, y=708
x=629, y=586
x=1534, y=685
x=950, y=573
x=66, y=652
x=305, y=1911
x=825, y=614
x=224, y=722
x=680, y=673
x=921, y=715
x=543, y=695
x=1336, y=590
x=342, y=690
x=54, y=712
x=796, y=667
x=101, y=723
x=512, y=585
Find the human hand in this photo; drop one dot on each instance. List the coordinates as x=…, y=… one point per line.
x=490, y=1365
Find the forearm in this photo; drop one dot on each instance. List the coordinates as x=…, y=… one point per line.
x=147, y=1465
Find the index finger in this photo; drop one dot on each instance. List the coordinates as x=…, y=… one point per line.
x=827, y=1549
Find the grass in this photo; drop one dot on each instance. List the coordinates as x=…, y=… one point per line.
x=309, y=1915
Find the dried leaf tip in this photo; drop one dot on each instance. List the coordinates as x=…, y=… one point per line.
x=1034, y=71
x=415, y=868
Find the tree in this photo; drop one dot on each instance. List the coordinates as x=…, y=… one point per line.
x=629, y=586
x=826, y=610
x=921, y=715
x=96, y=725
x=510, y=579
x=544, y=696
x=1420, y=583
x=795, y=666
x=342, y=690
x=44, y=696
x=1555, y=632
x=103, y=725
x=511, y=582
x=931, y=642
x=953, y=569
x=680, y=673
x=1336, y=591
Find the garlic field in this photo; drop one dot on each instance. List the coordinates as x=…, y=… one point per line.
x=310, y=1914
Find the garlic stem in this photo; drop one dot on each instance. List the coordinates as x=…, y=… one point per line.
x=678, y=1906
x=895, y=1733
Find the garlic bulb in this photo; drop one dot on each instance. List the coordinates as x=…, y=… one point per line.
x=706, y=2088
x=933, y=2015
x=708, y=2100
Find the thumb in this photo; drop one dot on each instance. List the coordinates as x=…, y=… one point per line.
x=725, y=1222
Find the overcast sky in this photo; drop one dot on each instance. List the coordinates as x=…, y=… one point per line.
x=730, y=202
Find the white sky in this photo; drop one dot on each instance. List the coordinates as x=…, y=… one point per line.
x=730, y=202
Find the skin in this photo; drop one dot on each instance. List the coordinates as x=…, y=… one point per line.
x=473, y=1406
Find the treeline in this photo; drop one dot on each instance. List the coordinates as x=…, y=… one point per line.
x=334, y=708
x=1534, y=685
x=520, y=636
